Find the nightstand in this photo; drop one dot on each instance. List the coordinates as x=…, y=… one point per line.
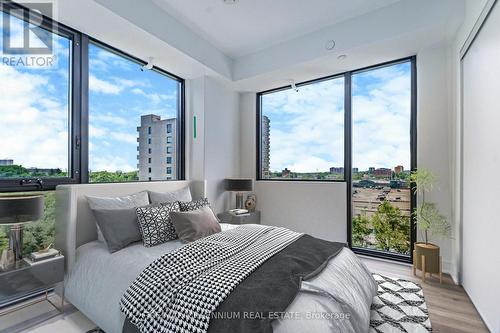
x=250, y=218
x=24, y=279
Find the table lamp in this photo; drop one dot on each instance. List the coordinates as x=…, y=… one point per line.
x=239, y=185
x=16, y=211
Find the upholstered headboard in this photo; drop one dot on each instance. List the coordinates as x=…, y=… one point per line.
x=75, y=223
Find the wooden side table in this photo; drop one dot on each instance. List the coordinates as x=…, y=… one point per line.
x=250, y=218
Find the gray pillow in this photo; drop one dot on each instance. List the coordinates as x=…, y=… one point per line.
x=155, y=223
x=184, y=194
x=195, y=224
x=130, y=201
x=119, y=227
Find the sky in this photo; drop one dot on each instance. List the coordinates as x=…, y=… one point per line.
x=34, y=109
x=307, y=127
x=119, y=93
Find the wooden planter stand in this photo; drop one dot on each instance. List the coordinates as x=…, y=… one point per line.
x=426, y=258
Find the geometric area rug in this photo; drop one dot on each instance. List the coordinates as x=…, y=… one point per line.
x=399, y=307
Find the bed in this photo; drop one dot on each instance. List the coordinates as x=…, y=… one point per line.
x=96, y=279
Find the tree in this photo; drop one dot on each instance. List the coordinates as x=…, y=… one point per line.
x=113, y=177
x=429, y=219
x=392, y=229
x=40, y=234
x=361, y=230
x=4, y=238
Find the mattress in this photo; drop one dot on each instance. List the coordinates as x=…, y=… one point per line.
x=336, y=300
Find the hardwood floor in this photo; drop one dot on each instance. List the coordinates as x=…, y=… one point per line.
x=450, y=309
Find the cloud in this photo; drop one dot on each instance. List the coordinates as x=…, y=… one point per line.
x=307, y=128
x=33, y=121
x=103, y=87
x=155, y=98
x=124, y=137
x=110, y=163
x=381, y=117
x=110, y=118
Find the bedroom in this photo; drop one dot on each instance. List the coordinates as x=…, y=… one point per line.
x=322, y=117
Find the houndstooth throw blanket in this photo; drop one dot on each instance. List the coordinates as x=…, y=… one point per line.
x=180, y=290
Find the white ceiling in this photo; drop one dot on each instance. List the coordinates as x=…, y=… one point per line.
x=250, y=26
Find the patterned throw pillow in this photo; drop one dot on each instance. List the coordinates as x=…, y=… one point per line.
x=194, y=205
x=155, y=223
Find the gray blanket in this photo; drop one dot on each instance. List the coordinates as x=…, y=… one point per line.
x=267, y=292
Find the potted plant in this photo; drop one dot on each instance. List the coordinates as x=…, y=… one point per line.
x=426, y=255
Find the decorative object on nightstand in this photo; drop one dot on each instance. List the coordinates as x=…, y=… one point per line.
x=235, y=217
x=239, y=185
x=251, y=202
x=16, y=211
x=426, y=255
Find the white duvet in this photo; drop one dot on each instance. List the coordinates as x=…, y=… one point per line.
x=337, y=300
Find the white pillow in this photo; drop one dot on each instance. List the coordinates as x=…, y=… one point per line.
x=184, y=194
x=130, y=201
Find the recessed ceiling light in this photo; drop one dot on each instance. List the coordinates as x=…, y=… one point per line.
x=342, y=57
x=330, y=45
x=230, y=2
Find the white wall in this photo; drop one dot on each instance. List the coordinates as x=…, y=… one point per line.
x=481, y=157
x=473, y=9
x=214, y=154
x=433, y=132
x=221, y=140
x=318, y=209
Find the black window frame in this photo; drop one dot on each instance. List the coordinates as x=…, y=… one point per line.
x=25, y=184
x=348, y=150
x=79, y=108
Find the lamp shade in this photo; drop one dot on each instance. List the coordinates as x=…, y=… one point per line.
x=239, y=184
x=21, y=209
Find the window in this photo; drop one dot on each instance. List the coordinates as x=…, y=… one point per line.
x=169, y=160
x=35, y=106
x=169, y=150
x=169, y=171
x=358, y=127
x=381, y=158
x=302, y=132
x=169, y=128
x=129, y=109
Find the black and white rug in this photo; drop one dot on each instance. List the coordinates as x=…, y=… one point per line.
x=399, y=307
